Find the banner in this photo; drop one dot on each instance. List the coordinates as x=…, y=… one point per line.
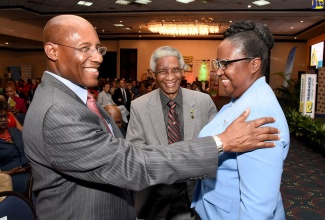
x=288, y=70
x=308, y=94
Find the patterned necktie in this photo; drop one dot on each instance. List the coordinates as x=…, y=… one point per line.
x=173, y=129
x=91, y=104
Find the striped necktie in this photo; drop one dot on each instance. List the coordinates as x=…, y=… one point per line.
x=91, y=104
x=173, y=129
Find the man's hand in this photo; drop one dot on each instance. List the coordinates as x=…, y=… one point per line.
x=241, y=136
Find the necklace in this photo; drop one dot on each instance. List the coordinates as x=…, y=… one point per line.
x=6, y=136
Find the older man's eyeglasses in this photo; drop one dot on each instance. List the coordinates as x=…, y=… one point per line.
x=4, y=117
x=173, y=70
x=87, y=50
x=223, y=64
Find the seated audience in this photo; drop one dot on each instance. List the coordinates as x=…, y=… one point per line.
x=12, y=156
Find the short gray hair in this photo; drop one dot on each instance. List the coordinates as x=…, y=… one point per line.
x=165, y=51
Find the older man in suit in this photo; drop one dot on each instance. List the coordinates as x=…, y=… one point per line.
x=149, y=125
x=82, y=167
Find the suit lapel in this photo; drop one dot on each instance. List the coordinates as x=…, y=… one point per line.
x=189, y=114
x=157, y=117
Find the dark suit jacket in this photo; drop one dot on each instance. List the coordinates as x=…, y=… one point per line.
x=118, y=95
x=82, y=172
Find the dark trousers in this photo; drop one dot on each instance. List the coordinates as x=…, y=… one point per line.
x=162, y=202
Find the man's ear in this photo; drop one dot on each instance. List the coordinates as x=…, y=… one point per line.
x=51, y=51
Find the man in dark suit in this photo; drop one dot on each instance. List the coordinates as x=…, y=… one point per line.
x=82, y=167
x=122, y=96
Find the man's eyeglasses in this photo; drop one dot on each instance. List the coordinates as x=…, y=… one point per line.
x=87, y=49
x=223, y=64
x=3, y=117
x=173, y=70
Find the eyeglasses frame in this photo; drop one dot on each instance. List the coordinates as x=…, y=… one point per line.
x=217, y=65
x=80, y=49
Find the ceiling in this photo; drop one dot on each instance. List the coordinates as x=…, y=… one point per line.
x=287, y=19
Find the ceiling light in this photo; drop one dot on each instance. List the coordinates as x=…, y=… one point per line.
x=185, y=1
x=261, y=2
x=118, y=25
x=183, y=28
x=84, y=3
x=123, y=2
x=143, y=1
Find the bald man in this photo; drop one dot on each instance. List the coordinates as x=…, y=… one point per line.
x=82, y=166
x=116, y=114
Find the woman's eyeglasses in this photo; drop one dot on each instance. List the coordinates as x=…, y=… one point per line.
x=223, y=64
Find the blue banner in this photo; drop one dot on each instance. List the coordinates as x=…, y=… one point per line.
x=288, y=70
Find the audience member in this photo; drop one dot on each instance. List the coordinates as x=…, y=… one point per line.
x=17, y=104
x=114, y=86
x=115, y=113
x=148, y=125
x=128, y=86
x=148, y=88
x=12, y=156
x=247, y=185
x=12, y=120
x=122, y=96
x=104, y=98
x=82, y=167
x=135, y=89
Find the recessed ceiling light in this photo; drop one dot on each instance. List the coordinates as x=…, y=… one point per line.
x=118, y=25
x=84, y=3
x=144, y=2
x=122, y=2
x=185, y=1
x=301, y=21
x=261, y=2
x=249, y=6
x=7, y=43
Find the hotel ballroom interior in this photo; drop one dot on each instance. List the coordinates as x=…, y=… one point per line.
x=132, y=30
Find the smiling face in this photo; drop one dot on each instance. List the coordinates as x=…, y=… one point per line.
x=169, y=83
x=79, y=67
x=239, y=76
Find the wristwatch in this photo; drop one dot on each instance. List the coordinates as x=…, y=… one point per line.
x=219, y=144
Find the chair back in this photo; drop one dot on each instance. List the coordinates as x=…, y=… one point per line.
x=16, y=206
x=5, y=184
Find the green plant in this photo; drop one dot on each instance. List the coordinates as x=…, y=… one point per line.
x=303, y=127
x=307, y=129
x=288, y=96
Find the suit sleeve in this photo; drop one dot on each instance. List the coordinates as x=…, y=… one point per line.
x=76, y=146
